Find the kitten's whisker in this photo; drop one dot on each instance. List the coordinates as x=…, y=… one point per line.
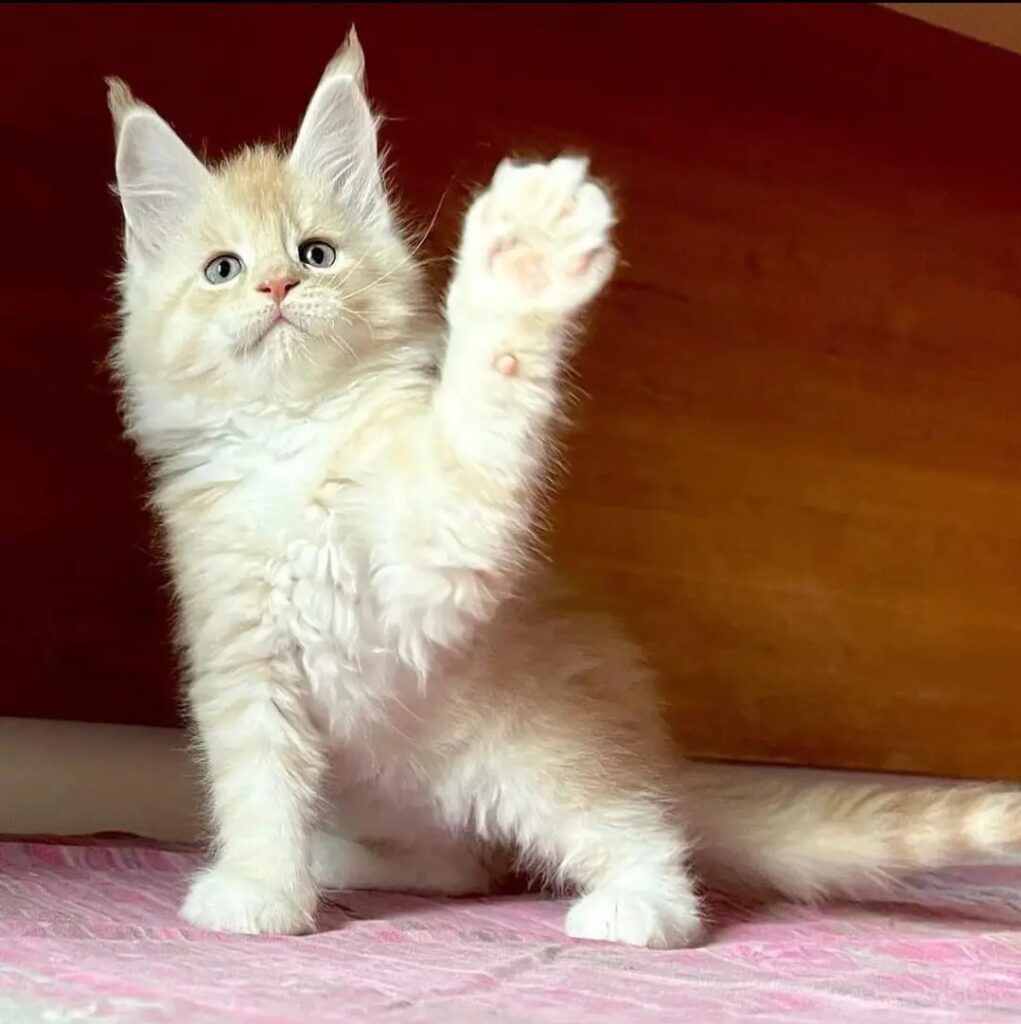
x=354, y=266
x=413, y=252
x=372, y=330
x=338, y=341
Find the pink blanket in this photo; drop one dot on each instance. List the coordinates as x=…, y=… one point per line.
x=88, y=933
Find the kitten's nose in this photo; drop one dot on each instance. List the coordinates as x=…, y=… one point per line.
x=277, y=287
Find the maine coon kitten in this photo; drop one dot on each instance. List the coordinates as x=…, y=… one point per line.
x=385, y=692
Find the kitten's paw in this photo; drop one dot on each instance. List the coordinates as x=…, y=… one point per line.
x=224, y=901
x=635, y=919
x=538, y=240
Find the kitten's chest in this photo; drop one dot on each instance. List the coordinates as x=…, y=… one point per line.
x=306, y=502
x=322, y=598
x=320, y=583
x=325, y=600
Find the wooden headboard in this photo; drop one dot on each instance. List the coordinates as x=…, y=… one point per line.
x=797, y=474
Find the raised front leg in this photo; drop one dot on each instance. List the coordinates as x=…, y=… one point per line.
x=536, y=249
x=265, y=763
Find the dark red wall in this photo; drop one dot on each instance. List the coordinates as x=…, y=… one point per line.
x=83, y=621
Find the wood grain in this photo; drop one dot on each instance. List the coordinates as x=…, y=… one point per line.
x=797, y=473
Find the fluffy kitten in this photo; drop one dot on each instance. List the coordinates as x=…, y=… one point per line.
x=385, y=692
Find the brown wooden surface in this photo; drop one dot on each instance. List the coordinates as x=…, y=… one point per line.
x=798, y=474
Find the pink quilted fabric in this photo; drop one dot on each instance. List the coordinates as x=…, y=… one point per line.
x=88, y=933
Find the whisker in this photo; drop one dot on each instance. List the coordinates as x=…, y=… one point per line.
x=338, y=340
x=372, y=330
x=354, y=266
x=414, y=251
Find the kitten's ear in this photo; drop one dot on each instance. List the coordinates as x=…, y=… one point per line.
x=158, y=177
x=336, y=144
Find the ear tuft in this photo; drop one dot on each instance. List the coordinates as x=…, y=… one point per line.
x=159, y=179
x=119, y=100
x=349, y=60
x=336, y=144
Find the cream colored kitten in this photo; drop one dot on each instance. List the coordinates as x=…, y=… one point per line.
x=385, y=693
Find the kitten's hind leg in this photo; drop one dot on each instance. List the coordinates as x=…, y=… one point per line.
x=340, y=863
x=596, y=820
x=628, y=865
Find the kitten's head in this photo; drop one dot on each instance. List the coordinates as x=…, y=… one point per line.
x=270, y=276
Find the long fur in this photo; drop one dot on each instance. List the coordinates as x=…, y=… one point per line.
x=386, y=690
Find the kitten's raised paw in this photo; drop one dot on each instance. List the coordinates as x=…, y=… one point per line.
x=635, y=919
x=223, y=901
x=539, y=239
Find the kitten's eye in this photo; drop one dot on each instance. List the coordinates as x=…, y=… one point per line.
x=223, y=268
x=317, y=254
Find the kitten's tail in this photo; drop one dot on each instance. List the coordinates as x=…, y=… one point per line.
x=809, y=839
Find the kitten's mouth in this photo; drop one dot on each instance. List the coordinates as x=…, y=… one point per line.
x=279, y=320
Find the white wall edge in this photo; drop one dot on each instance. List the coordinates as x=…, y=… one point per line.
x=77, y=778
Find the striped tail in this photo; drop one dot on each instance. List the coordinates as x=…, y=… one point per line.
x=808, y=839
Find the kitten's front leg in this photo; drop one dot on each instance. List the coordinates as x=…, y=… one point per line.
x=265, y=761
x=535, y=250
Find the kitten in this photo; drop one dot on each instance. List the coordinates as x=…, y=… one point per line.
x=386, y=692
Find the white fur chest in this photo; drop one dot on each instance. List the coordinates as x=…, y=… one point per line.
x=290, y=519
x=320, y=597
x=322, y=600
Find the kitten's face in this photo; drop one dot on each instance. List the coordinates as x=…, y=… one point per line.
x=271, y=275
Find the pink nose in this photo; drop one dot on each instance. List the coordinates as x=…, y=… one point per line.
x=277, y=287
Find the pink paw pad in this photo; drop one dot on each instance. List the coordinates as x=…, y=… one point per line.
x=582, y=264
x=506, y=364
x=523, y=264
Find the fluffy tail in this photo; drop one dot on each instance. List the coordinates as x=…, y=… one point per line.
x=809, y=839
